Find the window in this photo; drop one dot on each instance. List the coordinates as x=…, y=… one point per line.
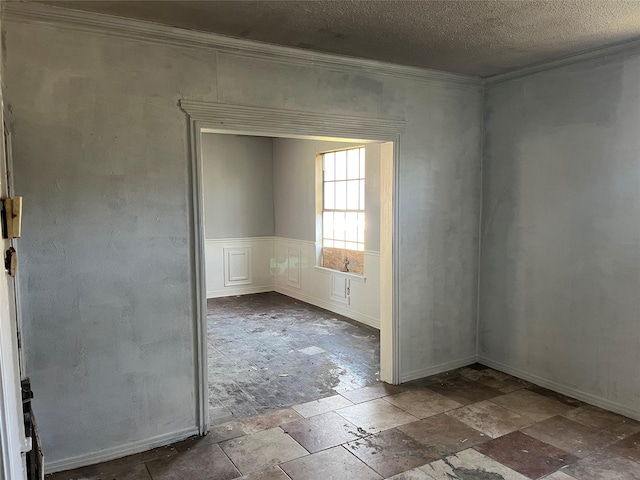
x=343, y=199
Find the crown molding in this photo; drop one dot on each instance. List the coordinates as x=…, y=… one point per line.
x=276, y=122
x=615, y=50
x=33, y=13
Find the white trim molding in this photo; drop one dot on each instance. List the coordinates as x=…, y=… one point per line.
x=278, y=122
x=618, y=49
x=98, y=23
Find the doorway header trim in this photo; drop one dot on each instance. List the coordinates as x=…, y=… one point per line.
x=277, y=122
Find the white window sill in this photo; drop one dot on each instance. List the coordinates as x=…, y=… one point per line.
x=351, y=276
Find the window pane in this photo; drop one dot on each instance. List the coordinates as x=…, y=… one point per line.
x=351, y=233
x=327, y=243
x=361, y=247
x=329, y=166
x=353, y=163
x=341, y=196
x=338, y=244
x=341, y=165
x=361, y=195
x=338, y=226
x=361, y=228
x=362, y=170
x=327, y=225
x=351, y=245
x=353, y=196
x=329, y=196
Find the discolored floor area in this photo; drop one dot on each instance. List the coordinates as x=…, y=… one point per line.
x=473, y=423
x=268, y=351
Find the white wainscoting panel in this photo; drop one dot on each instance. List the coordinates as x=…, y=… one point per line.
x=339, y=289
x=294, y=266
x=237, y=266
x=317, y=285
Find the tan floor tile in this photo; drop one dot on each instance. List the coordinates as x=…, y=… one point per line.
x=205, y=463
x=559, y=475
x=602, y=419
x=494, y=379
x=604, y=466
x=130, y=467
x=268, y=420
x=376, y=415
x=570, y=436
x=536, y=407
x=260, y=450
x=490, y=419
x=526, y=455
x=467, y=465
x=628, y=448
x=332, y=464
x=422, y=403
x=443, y=434
x=372, y=392
x=572, y=402
x=122, y=472
x=414, y=474
x=324, y=405
x=322, y=431
x=218, y=433
x=464, y=391
x=391, y=452
x=269, y=473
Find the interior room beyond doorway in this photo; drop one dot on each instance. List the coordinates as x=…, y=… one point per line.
x=263, y=226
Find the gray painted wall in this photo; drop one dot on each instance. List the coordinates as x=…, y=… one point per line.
x=237, y=173
x=295, y=188
x=561, y=230
x=101, y=151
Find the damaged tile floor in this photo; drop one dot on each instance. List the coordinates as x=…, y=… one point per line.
x=299, y=400
x=473, y=423
x=268, y=351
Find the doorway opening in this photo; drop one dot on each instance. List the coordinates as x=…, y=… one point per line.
x=292, y=274
x=288, y=259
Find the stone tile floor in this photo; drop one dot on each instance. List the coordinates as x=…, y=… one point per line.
x=268, y=351
x=473, y=423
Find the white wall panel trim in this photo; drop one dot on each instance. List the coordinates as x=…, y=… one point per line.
x=562, y=388
x=236, y=241
x=237, y=266
x=231, y=292
x=119, y=451
x=294, y=267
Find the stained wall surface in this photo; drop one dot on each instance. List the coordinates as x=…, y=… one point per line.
x=237, y=174
x=101, y=149
x=295, y=188
x=560, y=267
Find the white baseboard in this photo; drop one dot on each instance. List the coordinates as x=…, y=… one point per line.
x=435, y=369
x=359, y=317
x=230, y=292
x=119, y=451
x=560, y=388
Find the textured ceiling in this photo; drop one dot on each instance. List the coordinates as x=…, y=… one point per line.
x=472, y=37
